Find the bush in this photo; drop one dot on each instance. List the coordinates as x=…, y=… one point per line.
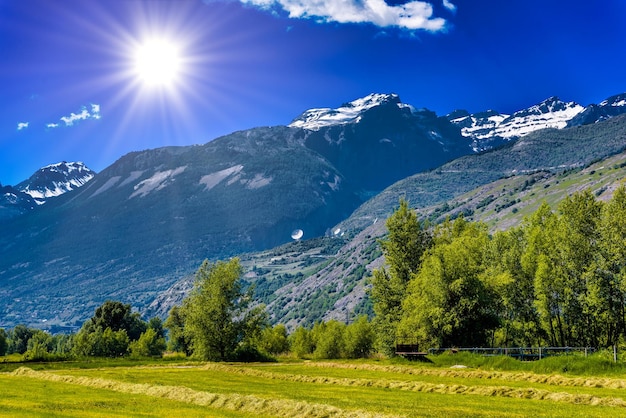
x=274, y=340
x=149, y=344
x=99, y=343
x=359, y=338
x=329, y=340
x=301, y=342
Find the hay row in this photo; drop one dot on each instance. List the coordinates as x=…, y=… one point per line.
x=554, y=380
x=232, y=401
x=444, y=389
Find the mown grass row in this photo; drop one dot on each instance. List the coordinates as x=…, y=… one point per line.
x=548, y=379
x=450, y=386
x=232, y=402
x=358, y=389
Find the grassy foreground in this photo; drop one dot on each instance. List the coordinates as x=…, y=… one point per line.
x=303, y=389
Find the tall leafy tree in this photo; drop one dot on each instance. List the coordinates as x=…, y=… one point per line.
x=175, y=324
x=536, y=262
x=578, y=239
x=216, y=318
x=450, y=302
x=19, y=337
x=118, y=316
x=403, y=249
x=516, y=291
x=607, y=292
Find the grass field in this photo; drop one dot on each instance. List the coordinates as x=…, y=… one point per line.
x=302, y=389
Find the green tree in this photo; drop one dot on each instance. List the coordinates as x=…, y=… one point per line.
x=515, y=288
x=540, y=231
x=175, y=325
x=301, y=342
x=607, y=293
x=449, y=302
x=359, y=338
x=40, y=346
x=156, y=324
x=101, y=343
x=274, y=340
x=4, y=345
x=149, y=344
x=403, y=249
x=19, y=337
x=109, y=331
x=329, y=339
x=215, y=313
x=579, y=236
x=117, y=316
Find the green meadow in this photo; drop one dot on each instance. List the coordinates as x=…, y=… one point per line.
x=366, y=388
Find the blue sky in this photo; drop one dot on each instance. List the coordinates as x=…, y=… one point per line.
x=70, y=89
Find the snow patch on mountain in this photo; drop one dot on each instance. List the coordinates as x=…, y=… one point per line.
x=315, y=119
x=489, y=128
x=158, y=181
x=213, y=179
x=551, y=113
x=258, y=181
x=106, y=186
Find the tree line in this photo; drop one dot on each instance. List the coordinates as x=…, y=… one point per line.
x=558, y=279
x=215, y=322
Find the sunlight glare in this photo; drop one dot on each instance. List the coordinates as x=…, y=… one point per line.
x=157, y=63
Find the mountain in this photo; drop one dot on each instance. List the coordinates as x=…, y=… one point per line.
x=14, y=202
x=151, y=217
x=380, y=140
x=56, y=179
x=48, y=182
x=489, y=129
x=611, y=107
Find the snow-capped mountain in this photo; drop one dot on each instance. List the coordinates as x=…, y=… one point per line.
x=478, y=125
x=611, y=107
x=551, y=113
x=380, y=140
x=352, y=112
x=491, y=128
x=488, y=129
x=56, y=179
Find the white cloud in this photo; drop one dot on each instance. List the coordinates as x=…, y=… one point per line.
x=412, y=15
x=448, y=5
x=22, y=125
x=84, y=114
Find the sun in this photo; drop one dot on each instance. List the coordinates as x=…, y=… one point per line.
x=157, y=63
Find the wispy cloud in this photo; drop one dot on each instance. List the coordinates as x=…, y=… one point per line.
x=22, y=125
x=412, y=15
x=93, y=112
x=448, y=5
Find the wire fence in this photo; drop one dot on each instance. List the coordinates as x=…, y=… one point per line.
x=521, y=353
